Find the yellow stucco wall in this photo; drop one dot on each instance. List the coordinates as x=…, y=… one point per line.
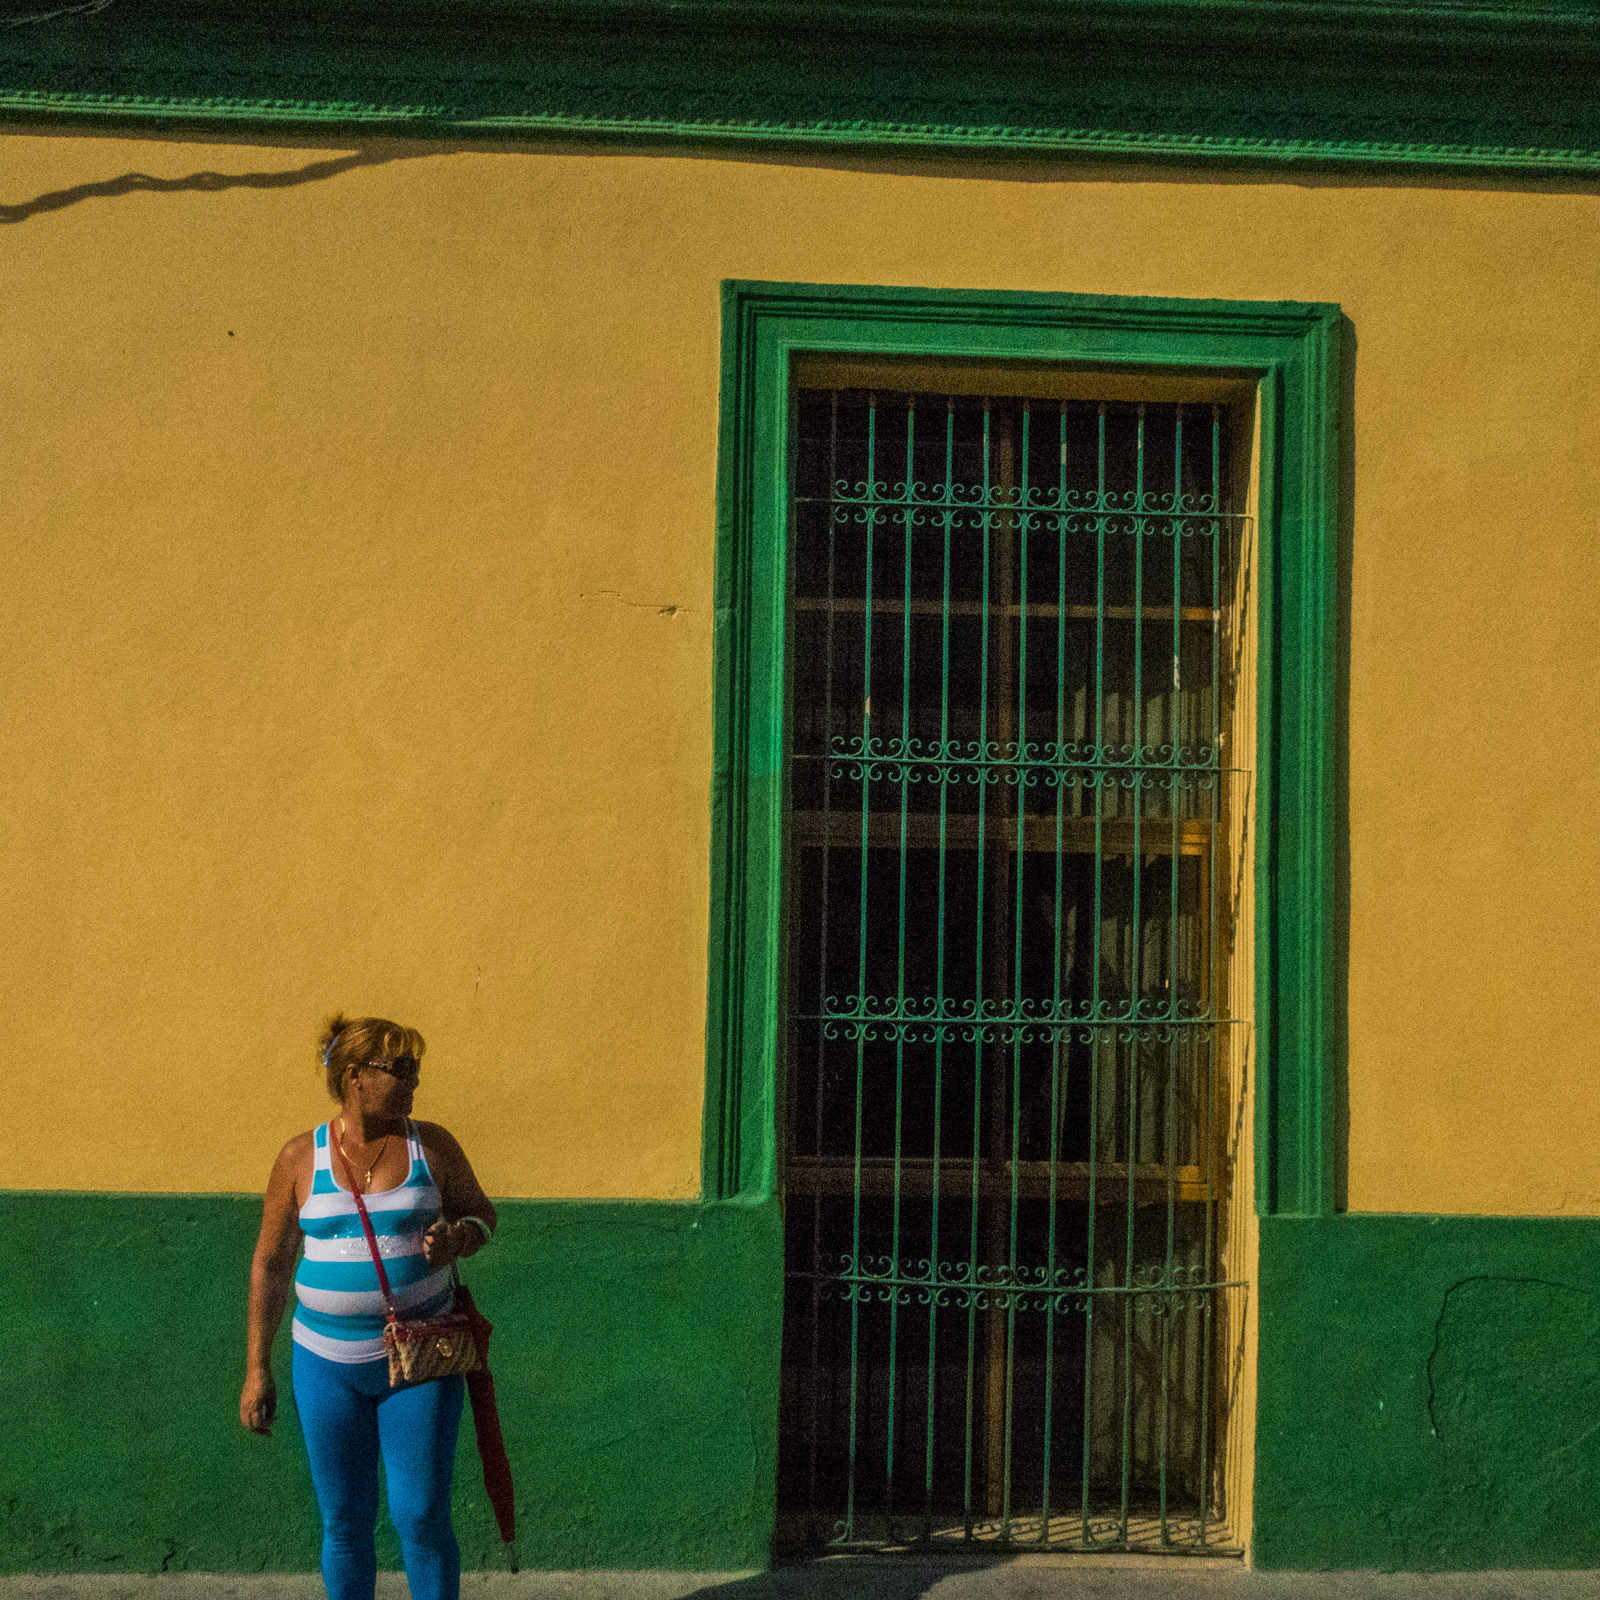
x=357, y=637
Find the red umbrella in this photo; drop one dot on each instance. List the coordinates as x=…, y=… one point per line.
x=486, y=1419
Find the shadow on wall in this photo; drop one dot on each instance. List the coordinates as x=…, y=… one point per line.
x=205, y=182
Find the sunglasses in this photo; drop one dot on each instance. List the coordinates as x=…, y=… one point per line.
x=402, y=1068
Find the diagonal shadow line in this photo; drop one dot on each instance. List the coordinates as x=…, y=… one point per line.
x=202, y=182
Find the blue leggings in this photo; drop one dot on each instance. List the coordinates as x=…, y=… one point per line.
x=348, y=1413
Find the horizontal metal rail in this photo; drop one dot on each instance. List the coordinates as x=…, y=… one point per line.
x=844, y=605
x=925, y=830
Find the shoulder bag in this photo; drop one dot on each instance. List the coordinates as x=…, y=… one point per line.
x=423, y=1347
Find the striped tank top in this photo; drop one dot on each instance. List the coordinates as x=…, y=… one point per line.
x=340, y=1314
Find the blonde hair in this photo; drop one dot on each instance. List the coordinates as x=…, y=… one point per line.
x=353, y=1042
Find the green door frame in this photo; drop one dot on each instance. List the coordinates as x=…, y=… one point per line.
x=1292, y=350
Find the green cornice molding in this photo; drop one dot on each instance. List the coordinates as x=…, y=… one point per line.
x=1373, y=84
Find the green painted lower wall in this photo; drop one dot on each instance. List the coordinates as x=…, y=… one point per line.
x=635, y=1355
x=1429, y=1390
x=1429, y=1393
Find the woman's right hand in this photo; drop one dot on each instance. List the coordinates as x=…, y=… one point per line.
x=258, y=1403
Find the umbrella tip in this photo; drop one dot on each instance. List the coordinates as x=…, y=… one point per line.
x=511, y=1550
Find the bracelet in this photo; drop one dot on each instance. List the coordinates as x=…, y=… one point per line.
x=483, y=1227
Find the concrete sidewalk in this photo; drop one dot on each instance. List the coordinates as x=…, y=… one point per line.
x=872, y=1578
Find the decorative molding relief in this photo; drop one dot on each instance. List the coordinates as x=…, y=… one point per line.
x=1353, y=83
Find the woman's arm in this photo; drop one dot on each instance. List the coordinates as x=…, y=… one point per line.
x=271, y=1273
x=462, y=1196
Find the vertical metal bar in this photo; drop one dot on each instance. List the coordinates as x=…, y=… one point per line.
x=998, y=988
x=1174, y=739
x=939, y=1029
x=1019, y=749
x=1057, y=1055
x=1101, y=763
x=1208, y=1321
x=822, y=951
x=1136, y=963
x=900, y=960
x=985, y=522
x=861, y=967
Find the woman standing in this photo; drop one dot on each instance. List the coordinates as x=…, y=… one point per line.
x=427, y=1208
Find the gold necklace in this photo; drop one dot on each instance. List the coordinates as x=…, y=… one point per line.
x=367, y=1177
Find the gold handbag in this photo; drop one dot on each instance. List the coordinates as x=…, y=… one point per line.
x=425, y=1347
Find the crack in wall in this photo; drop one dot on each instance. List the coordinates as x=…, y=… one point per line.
x=633, y=605
x=1444, y=1309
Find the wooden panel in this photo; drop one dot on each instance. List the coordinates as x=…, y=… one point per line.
x=836, y=1175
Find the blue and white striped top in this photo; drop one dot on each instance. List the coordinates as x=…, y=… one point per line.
x=340, y=1314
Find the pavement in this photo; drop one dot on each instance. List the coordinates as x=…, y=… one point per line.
x=1063, y=1577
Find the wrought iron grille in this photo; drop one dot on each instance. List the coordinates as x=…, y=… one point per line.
x=1005, y=1171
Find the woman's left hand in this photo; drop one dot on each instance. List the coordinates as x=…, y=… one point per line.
x=445, y=1241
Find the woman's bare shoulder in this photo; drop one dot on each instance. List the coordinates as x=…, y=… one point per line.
x=296, y=1150
x=435, y=1136
x=296, y=1162
x=290, y=1182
